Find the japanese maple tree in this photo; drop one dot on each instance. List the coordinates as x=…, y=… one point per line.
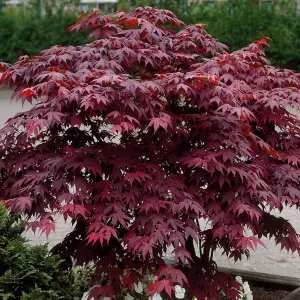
x=143, y=132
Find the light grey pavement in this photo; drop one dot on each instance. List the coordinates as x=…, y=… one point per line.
x=7, y=107
x=270, y=260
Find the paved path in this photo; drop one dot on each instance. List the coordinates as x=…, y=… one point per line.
x=7, y=107
x=270, y=260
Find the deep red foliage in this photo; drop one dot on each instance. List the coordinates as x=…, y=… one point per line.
x=143, y=132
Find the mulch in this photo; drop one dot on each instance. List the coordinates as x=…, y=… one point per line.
x=261, y=293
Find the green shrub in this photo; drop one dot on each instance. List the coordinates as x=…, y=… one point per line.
x=234, y=22
x=237, y=23
x=23, y=32
x=30, y=272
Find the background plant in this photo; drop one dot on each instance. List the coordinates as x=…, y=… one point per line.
x=28, y=31
x=30, y=272
x=237, y=23
x=233, y=22
x=141, y=133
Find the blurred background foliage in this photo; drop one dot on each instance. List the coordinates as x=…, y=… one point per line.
x=233, y=22
x=238, y=22
x=28, y=30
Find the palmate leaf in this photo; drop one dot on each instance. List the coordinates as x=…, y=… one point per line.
x=98, y=291
x=161, y=286
x=134, y=139
x=21, y=204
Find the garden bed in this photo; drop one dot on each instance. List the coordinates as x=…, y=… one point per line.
x=268, y=286
x=267, y=293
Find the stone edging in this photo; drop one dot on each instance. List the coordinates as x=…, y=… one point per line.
x=292, y=282
x=263, y=277
x=295, y=295
x=270, y=279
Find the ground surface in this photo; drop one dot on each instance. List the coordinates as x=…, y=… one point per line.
x=269, y=260
x=267, y=294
